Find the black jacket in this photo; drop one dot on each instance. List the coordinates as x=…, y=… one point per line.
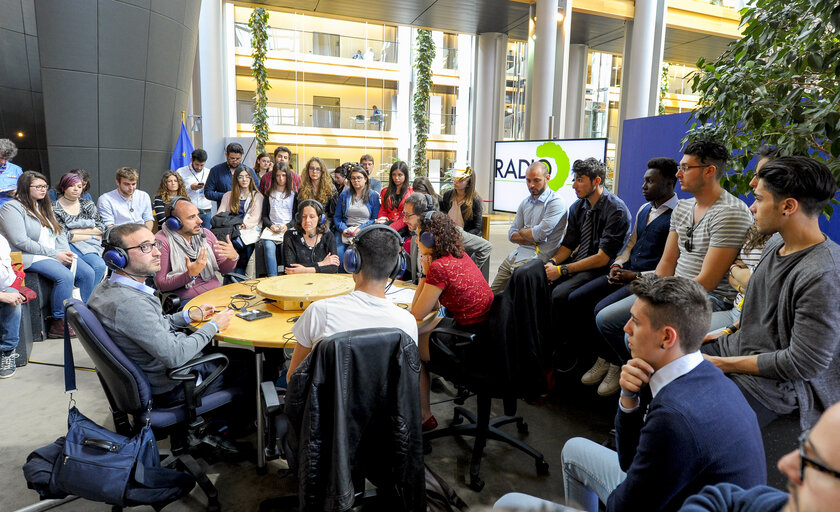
x=472, y=225
x=225, y=223
x=354, y=409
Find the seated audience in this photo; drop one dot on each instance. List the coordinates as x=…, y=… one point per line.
x=221, y=178
x=82, y=223
x=813, y=472
x=132, y=316
x=278, y=212
x=357, y=207
x=195, y=175
x=85, y=191
x=126, y=204
x=340, y=177
x=464, y=206
x=9, y=172
x=262, y=167
x=315, y=184
x=245, y=201
x=392, y=198
x=367, y=163
x=537, y=228
x=451, y=280
x=415, y=207
x=363, y=308
x=640, y=256
x=10, y=312
x=706, y=233
x=784, y=356
x=190, y=255
x=30, y=226
x=309, y=247
x=681, y=425
x=282, y=154
x=423, y=185
x=171, y=186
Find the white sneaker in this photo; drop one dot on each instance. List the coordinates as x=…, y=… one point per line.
x=610, y=386
x=596, y=373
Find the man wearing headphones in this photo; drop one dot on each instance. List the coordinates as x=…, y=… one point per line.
x=373, y=259
x=132, y=315
x=191, y=255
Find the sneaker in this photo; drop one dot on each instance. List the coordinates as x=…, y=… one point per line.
x=8, y=365
x=596, y=373
x=610, y=386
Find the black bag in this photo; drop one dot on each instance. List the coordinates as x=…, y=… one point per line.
x=440, y=497
x=225, y=223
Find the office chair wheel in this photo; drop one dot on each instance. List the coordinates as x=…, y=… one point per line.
x=542, y=467
x=476, y=483
x=457, y=419
x=521, y=427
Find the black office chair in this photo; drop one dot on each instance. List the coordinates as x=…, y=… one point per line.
x=501, y=362
x=129, y=393
x=353, y=413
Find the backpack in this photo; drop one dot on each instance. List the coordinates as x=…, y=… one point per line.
x=440, y=497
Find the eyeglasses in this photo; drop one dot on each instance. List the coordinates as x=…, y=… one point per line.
x=805, y=460
x=684, y=167
x=146, y=247
x=38, y=187
x=689, y=242
x=357, y=178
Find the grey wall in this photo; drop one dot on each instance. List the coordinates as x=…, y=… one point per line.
x=21, y=103
x=115, y=77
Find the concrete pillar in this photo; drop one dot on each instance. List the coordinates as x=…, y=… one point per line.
x=576, y=91
x=545, y=40
x=529, y=71
x=561, y=70
x=489, y=107
x=643, y=48
x=401, y=122
x=463, y=154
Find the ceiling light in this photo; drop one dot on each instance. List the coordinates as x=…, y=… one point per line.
x=20, y=135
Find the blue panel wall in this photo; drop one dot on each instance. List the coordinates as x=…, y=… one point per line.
x=660, y=136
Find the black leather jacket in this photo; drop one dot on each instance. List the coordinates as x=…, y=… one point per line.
x=354, y=410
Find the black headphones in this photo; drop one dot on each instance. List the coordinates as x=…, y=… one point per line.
x=115, y=257
x=427, y=238
x=353, y=258
x=430, y=202
x=319, y=210
x=173, y=222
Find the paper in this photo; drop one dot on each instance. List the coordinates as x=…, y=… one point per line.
x=400, y=295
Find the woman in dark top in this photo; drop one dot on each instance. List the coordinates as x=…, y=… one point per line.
x=462, y=203
x=310, y=247
x=451, y=279
x=171, y=186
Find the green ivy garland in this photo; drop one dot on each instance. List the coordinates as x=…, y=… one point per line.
x=425, y=48
x=258, y=23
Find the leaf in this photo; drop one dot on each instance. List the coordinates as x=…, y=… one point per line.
x=835, y=148
x=835, y=18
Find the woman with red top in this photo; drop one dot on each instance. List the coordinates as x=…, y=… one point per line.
x=393, y=198
x=449, y=279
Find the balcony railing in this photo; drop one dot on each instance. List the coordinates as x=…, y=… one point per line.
x=321, y=43
x=448, y=58
x=318, y=116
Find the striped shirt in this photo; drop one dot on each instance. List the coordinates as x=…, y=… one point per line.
x=724, y=225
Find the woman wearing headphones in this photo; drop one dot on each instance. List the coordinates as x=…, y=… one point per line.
x=30, y=226
x=357, y=208
x=246, y=201
x=310, y=247
x=82, y=222
x=171, y=186
x=450, y=279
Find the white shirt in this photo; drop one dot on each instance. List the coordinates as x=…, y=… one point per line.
x=191, y=177
x=670, y=204
x=7, y=276
x=356, y=310
x=669, y=373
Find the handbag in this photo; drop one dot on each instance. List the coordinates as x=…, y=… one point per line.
x=17, y=284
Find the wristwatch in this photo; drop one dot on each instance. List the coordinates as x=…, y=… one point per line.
x=554, y=263
x=564, y=270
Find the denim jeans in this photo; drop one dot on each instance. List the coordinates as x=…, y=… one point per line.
x=9, y=326
x=340, y=248
x=244, y=256
x=95, y=262
x=63, y=282
x=270, y=250
x=519, y=502
x=590, y=473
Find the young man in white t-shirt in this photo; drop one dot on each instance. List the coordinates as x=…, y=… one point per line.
x=363, y=308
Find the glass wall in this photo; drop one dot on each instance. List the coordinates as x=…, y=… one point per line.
x=603, y=89
x=516, y=70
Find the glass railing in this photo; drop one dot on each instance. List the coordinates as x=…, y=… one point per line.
x=448, y=58
x=321, y=43
x=319, y=116
x=442, y=124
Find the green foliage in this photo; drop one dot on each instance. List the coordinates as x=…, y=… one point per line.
x=779, y=85
x=425, y=54
x=664, y=85
x=258, y=23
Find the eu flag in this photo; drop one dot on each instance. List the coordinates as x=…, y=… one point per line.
x=183, y=150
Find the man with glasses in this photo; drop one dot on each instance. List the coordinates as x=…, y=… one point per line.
x=220, y=179
x=706, y=233
x=132, y=315
x=813, y=472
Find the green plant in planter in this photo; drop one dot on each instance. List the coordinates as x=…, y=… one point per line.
x=258, y=23
x=425, y=54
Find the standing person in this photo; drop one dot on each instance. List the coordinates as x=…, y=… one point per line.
x=367, y=162
x=453, y=281
x=538, y=226
x=283, y=154
x=464, y=206
x=220, y=179
x=393, y=198
x=309, y=247
x=126, y=204
x=316, y=184
x=263, y=166
x=357, y=207
x=85, y=191
x=277, y=214
x=10, y=312
x=30, y=226
x=171, y=186
x=195, y=176
x=9, y=172
x=245, y=201
x=82, y=223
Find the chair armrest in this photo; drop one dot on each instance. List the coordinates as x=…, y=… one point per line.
x=461, y=339
x=192, y=393
x=169, y=302
x=234, y=277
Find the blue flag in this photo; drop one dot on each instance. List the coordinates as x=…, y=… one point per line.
x=183, y=150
